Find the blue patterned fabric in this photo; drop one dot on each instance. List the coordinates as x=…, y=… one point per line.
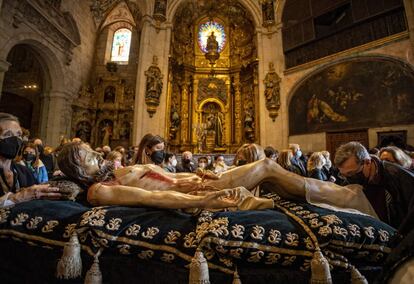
x=284, y=237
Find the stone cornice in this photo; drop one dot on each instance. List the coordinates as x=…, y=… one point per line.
x=55, y=25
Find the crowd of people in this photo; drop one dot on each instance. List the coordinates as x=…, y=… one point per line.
x=387, y=175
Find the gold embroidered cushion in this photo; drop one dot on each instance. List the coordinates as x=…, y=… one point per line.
x=41, y=222
x=146, y=233
x=286, y=236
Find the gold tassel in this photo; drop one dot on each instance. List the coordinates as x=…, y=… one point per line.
x=199, y=269
x=320, y=269
x=357, y=277
x=94, y=274
x=70, y=265
x=236, y=278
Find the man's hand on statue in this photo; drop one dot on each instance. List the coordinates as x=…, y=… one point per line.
x=38, y=191
x=222, y=199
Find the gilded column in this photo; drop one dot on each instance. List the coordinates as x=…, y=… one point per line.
x=237, y=110
x=184, y=112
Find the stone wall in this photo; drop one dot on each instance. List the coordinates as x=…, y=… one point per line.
x=66, y=56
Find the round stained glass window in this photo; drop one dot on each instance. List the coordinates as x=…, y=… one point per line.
x=206, y=29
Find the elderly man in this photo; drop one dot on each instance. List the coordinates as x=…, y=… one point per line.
x=388, y=187
x=16, y=181
x=187, y=165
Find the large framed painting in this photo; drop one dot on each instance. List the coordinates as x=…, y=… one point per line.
x=358, y=93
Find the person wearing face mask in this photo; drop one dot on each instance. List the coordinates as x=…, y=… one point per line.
x=150, y=150
x=219, y=164
x=187, y=164
x=46, y=158
x=170, y=162
x=387, y=186
x=30, y=159
x=202, y=162
x=327, y=168
x=116, y=158
x=17, y=183
x=298, y=161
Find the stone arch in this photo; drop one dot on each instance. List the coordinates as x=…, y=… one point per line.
x=252, y=6
x=280, y=5
x=53, y=65
x=323, y=111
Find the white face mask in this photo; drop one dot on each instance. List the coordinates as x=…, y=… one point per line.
x=202, y=165
x=174, y=163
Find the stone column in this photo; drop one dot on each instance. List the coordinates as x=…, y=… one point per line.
x=56, y=117
x=270, y=50
x=155, y=40
x=4, y=66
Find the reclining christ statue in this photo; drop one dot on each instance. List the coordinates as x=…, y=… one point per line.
x=150, y=185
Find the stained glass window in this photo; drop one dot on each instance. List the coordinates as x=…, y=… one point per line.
x=120, y=45
x=206, y=29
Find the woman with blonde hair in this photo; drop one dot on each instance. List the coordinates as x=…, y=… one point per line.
x=397, y=156
x=315, y=164
x=285, y=160
x=248, y=153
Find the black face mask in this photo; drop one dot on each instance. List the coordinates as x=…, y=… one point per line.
x=186, y=161
x=357, y=178
x=241, y=162
x=29, y=157
x=157, y=157
x=10, y=146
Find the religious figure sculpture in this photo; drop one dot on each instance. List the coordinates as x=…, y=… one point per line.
x=175, y=121
x=160, y=10
x=83, y=131
x=150, y=185
x=249, y=124
x=106, y=134
x=268, y=12
x=212, y=43
x=214, y=125
x=212, y=48
x=153, y=87
x=109, y=96
x=272, y=91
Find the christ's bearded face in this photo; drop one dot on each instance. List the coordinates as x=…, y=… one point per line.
x=91, y=160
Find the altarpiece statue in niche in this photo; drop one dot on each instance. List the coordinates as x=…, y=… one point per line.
x=153, y=86
x=272, y=91
x=268, y=12
x=160, y=10
x=214, y=125
x=83, y=131
x=109, y=95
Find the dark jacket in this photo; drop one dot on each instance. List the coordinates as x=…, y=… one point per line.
x=300, y=166
x=23, y=177
x=392, y=195
x=186, y=168
x=318, y=174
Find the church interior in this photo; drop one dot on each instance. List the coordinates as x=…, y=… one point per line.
x=208, y=77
